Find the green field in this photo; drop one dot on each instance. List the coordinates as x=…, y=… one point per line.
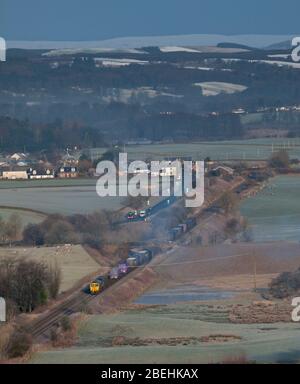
x=274, y=213
x=79, y=195
x=11, y=184
x=25, y=215
x=259, y=342
x=216, y=150
x=64, y=200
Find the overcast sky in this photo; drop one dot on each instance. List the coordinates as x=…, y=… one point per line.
x=102, y=19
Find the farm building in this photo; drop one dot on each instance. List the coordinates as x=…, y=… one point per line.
x=18, y=156
x=15, y=175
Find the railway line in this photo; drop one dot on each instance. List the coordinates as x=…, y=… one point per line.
x=73, y=304
x=45, y=322
x=42, y=325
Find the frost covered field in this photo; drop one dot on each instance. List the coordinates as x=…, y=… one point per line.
x=64, y=200
x=175, y=333
x=108, y=62
x=274, y=213
x=178, y=49
x=216, y=150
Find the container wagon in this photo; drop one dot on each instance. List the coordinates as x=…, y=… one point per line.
x=114, y=274
x=123, y=268
x=174, y=233
x=137, y=257
x=183, y=227
x=177, y=231
x=191, y=223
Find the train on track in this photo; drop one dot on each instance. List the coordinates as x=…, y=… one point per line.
x=176, y=232
x=137, y=257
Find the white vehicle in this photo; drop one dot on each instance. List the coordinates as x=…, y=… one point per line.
x=142, y=213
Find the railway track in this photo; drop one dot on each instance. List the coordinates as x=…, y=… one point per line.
x=44, y=323
x=41, y=326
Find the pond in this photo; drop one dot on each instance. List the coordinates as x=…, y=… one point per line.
x=183, y=293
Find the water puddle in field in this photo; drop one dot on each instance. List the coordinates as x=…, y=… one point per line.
x=183, y=294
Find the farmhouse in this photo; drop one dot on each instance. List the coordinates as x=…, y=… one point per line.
x=18, y=156
x=168, y=171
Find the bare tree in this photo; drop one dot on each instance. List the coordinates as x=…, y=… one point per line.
x=136, y=202
x=54, y=280
x=28, y=283
x=228, y=202
x=13, y=227
x=279, y=160
x=61, y=232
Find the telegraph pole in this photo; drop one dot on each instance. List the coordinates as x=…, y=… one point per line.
x=254, y=272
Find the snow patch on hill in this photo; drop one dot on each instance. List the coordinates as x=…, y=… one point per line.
x=214, y=88
x=178, y=49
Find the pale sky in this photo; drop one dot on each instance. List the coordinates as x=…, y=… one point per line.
x=103, y=19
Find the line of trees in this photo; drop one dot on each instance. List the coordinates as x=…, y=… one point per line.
x=27, y=284
x=88, y=229
x=10, y=229
x=16, y=134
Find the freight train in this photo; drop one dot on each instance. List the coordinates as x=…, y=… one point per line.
x=137, y=257
x=182, y=228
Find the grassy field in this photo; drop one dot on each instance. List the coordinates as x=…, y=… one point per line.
x=176, y=333
x=274, y=213
x=9, y=184
x=25, y=215
x=199, y=331
x=65, y=200
x=74, y=261
x=216, y=150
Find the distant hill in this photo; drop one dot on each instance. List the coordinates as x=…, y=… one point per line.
x=259, y=41
x=282, y=45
